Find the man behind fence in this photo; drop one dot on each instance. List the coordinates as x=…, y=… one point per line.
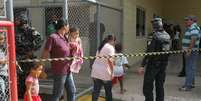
x=28, y=40
x=156, y=65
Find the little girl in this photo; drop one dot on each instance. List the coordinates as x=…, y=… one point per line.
x=32, y=83
x=76, y=49
x=120, y=63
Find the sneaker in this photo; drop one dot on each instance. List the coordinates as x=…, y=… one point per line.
x=185, y=88
x=181, y=75
x=123, y=91
x=193, y=86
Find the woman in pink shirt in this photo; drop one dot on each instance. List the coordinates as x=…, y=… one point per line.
x=102, y=69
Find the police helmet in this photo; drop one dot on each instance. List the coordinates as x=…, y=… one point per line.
x=157, y=23
x=23, y=19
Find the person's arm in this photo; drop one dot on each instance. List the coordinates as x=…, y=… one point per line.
x=111, y=64
x=45, y=54
x=192, y=43
x=125, y=62
x=111, y=52
x=47, y=48
x=141, y=70
x=150, y=48
x=194, y=36
x=28, y=90
x=144, y=61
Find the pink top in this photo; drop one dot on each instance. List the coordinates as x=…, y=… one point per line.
x=100, y=68
x=35, y=85
x=76, y=51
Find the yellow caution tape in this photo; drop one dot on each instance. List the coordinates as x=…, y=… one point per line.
x=107, y=56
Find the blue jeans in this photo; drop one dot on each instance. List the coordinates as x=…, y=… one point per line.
x=61, y=81
x=190, y=68
x=97, y=87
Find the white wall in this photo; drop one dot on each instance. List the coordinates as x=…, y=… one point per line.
x=114, y=3
x=112, y=21
x=37, y=21
x=176, y=10
x=133, y=44
x=21, y=2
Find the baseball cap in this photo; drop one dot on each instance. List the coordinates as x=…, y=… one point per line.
x=156, y=19
x=22, y=18
x=190, y=17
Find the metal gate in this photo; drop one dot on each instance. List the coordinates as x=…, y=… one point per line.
x=94, y=19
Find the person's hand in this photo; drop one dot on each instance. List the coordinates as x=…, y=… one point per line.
x=188, y=52
x=73, y=48
x=43, y=75
x=29, y=55
x=140, y=70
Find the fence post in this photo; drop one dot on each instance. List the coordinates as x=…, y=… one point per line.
x=65, y=13
x=98, y=7
x=10, y=10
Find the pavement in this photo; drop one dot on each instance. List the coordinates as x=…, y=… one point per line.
x=133, y=84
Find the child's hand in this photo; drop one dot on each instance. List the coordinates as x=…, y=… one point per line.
x=43, y=75
x=140, y=70
x=73, y=48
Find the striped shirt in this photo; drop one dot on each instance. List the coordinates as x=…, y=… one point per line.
x=191, y=32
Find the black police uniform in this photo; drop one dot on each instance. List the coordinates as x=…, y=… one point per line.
x=28, y=40
x=156, y=66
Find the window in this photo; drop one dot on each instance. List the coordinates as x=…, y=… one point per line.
x=140, y=22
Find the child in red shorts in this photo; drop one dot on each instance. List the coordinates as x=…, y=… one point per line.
x=32, y=83
x=120, y=63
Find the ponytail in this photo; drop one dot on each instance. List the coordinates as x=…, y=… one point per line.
x=101, y=45
x=60, y=23
x=106, y=40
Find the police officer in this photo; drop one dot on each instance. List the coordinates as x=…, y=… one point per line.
x=155, y=65
x=28, y=40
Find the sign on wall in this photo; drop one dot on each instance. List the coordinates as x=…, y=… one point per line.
x=2, y=8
